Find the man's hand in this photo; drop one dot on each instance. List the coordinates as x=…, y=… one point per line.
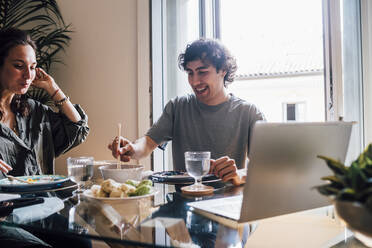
x=121, y=147
x=4, y=167
x=225, y=169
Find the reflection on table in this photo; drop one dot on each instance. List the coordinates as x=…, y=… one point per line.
x=166, y=220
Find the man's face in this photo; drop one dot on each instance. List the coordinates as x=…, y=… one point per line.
x=206, y=82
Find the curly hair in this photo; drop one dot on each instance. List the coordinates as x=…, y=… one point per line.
x=10, y=38
x=211, y=52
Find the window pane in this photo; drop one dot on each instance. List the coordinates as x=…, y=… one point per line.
x=279, y=51
x=182, y=27
x=291, y=112
x=179, y=26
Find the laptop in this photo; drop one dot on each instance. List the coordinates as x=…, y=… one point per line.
x=282, y=171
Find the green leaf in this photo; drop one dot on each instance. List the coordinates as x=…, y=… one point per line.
x=327, y=190
x=357, y=177
x=346, y=194
x=335, y=166
x=335, y=181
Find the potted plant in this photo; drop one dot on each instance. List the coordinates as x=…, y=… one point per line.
x=44, y=21
x=350, y=189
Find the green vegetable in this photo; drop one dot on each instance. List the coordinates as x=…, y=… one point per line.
x=132, y=182
x=350, y=183
x=142, y=190
x=145, y=182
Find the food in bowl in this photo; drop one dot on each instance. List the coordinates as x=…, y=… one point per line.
x=111, y=188
x=122, y=174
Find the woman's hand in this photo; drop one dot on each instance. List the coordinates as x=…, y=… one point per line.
x=122, y=147
x=4, y=167
x=44, y=81
x=225, y=169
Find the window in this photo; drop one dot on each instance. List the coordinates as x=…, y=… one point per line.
x=279, y=59
x=294, y=111
x=296, y=58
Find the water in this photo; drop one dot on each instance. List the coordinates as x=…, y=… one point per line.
x=80, y=173
x=197, y=167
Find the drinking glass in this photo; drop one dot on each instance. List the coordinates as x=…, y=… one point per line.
x=80, y=170
x=197, y=165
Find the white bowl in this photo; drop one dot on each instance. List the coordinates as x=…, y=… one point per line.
x=127, y=171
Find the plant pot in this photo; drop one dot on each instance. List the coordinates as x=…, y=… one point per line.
x=357, y=218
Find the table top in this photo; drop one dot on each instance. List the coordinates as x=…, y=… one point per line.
x=165, y=220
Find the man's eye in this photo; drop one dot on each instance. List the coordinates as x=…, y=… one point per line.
x=202, y=72
x=18, y=66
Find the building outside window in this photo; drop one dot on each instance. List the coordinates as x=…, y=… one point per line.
x=294, y=111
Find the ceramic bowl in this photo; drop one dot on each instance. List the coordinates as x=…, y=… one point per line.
x=357, y=218
x=125, y=172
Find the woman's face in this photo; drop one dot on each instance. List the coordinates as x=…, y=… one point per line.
x=18, y=70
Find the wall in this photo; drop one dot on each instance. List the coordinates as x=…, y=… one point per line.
x=366, y=10
x=102, y=69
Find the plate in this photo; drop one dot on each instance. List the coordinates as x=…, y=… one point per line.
x=178, y=177
x=39, y=183
x=89, y=194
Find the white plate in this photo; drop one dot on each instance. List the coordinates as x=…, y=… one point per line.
x=89, y=194
x=40, y=183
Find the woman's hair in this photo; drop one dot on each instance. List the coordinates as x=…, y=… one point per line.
x=210, y=52
x=10, y=38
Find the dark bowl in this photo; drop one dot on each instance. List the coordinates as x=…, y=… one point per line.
x=356, y=216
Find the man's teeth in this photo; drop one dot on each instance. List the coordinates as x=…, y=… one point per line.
x=200, y=89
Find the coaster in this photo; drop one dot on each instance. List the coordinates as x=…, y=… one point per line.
x=206, y=190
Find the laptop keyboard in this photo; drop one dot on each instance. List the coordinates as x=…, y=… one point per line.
x=233, y=207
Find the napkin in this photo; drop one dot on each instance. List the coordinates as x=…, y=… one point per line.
x=5, y=197
x=36, y=212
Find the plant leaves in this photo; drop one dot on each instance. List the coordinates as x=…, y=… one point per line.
x=347, y=194
x=44, y=21
x=327, y=190
x=335, y=166
x=357, y=177
x=334, y=180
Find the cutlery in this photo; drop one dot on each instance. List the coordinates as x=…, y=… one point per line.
x=11, y=178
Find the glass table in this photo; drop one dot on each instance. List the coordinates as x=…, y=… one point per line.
x=165, y=220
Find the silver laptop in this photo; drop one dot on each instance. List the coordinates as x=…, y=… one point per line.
x=283, y=169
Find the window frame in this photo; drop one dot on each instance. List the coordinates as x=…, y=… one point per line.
x=335, y=98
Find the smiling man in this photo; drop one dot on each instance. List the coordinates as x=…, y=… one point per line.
x=208, y=120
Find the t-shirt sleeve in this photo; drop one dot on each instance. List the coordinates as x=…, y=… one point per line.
x=254, y=115
x=162, y=130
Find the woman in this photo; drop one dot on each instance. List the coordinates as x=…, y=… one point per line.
x=32, y=134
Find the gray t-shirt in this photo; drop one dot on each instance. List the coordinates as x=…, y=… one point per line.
x=224, y=129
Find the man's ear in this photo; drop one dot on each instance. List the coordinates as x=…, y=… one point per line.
x=223, y=72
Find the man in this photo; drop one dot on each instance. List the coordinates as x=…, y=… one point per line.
x=208, y=120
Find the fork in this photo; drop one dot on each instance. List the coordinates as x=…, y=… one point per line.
x=11, y=178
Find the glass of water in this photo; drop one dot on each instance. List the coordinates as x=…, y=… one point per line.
x=197, y=166
x=80, y=170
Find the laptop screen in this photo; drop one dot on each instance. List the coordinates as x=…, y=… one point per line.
x=284, y=167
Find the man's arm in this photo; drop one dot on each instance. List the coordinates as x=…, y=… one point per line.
x=127, y=150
